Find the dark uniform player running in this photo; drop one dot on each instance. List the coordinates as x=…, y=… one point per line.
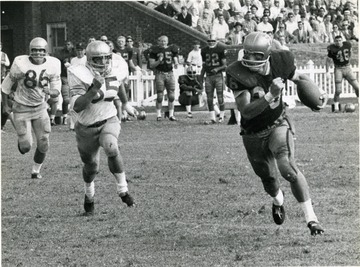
x=340, y=53
x=257, y=82
x=214, y=63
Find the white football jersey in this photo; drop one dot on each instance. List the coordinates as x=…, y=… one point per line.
x=31, y=79
x=80, y=79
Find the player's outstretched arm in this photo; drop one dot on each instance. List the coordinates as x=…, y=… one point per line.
x=124, y=100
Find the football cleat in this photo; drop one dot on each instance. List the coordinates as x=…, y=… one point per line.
x=88, y=206
x=189, y=115
x=172, y=118
x=127, y=199
x=278, y=213
x=159, y=119
x=52, y=122
x=35, y=175
x=209, y=122
x=315, y=228
x=221, y=120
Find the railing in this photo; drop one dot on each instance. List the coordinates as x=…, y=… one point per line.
x=143, y=86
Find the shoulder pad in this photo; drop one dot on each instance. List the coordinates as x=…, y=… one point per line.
x=82, y=73
x=241, y=75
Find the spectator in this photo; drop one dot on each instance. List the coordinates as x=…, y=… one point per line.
x=254, y=14
x=64, y=55
x=327, y=26
x=152, y=4
x=282, y=32
x=318, y=35
x=111, y=44
x=231, y=9
x=91, y=39
x=265, y=4
x=290, y=6
x=331, y=6
x=220, y=29
x=321, y=14
x=300, y=34
x=246, y=7
x=185, y=17
x=347, y=32
x=190, y=89
x=221, y=11
x=306, y=23
x=164, y=76
x=351, y=18
x=205, y=22
x=178, y=4
x=136, y=54
x=275, y=44
x=264, y=25
x=80, y=58
x=335, y=32
x=103, y=38
x=284, y=12
x=236, y=36
x=166, y=9
x=249, y=25
x=304, y=8
x=194, y=57
x=275, y=9
x=283, y=43
x=195, y=15
x=296, y=10
x=267, y=12
x=196, y=4
x=291, y=23
x=279, y=20
x=208, y=6
x=238, y=17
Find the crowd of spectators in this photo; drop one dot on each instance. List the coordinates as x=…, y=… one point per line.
x=290, y=21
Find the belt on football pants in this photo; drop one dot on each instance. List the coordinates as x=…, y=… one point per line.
x=276, y=123
x=342, y=66
x=97, y=124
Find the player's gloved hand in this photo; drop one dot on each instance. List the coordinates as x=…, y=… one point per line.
x=98, y=81
x=131, y=110
x=328, y=76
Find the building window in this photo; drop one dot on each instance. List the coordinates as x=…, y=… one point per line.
x=56, y=36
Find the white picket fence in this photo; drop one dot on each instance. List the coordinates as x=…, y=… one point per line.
x=142, y=86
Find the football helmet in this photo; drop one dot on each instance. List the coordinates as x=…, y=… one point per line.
x=191, y=71
x=99, y=57
x=257, y=47
x=38, y=49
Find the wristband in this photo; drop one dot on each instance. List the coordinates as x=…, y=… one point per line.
x=269, y=97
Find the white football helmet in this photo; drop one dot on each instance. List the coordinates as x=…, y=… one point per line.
x=38, y=49
x=99, y=57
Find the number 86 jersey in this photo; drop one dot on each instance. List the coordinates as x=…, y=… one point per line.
x=31, y=79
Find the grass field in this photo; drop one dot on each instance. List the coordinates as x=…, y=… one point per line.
x=199, y=202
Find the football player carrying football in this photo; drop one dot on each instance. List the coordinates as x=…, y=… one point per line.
x=214, y=64
x=257, y=82
x=340, y=53
x=38, y=78
x=95, y=86
x=161, y=59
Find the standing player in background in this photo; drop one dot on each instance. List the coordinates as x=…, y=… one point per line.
x=161, y=60
x=267, y=132
x=64, y=55
x=5, y=63
x=214, y=63
x=340, y=53
x=98, y=124
x=37, y=77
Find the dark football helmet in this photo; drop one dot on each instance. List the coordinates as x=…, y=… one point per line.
x=191, y=71
x=257, y=47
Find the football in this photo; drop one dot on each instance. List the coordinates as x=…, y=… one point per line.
x=349, y=107
x=309, y=94
x=142, y=115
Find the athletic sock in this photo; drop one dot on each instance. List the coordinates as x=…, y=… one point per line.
x=158, y=112
x=212, y=115
x=278, y=200
x=90, y=190
x=171, y=113
x=121, y=183
x=36, y=167
x=308, y=211
x=222, y=114
x=188, y=108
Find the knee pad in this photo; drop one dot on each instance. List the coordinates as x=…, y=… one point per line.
x=171, y=97
x=160, y=97
x=110, y=146
x=43, y=144
x=289, y=172
x=24, y=146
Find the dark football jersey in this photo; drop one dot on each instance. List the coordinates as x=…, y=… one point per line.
x=212, y=57
x=168, y=54
x=185, y=83
x=340, y=55
x=126, y=53
x=239, y=78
